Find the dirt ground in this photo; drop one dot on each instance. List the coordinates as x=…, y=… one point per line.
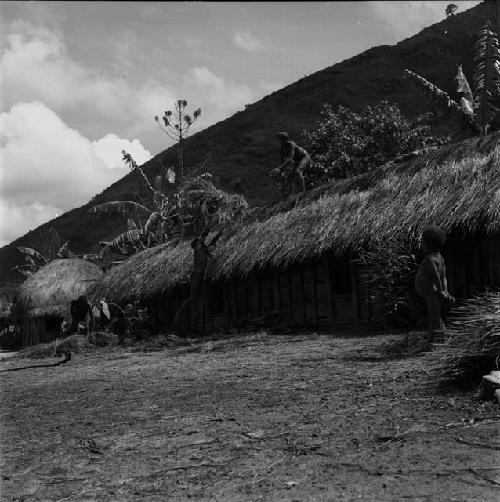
x=259, y=417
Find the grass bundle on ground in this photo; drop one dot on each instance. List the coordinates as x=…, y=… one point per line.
x=411, y=343
x=472, y=346
x=76, y=344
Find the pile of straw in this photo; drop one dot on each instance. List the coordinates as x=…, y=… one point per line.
x=411, y=343
x=76, y=344
x=472, y=347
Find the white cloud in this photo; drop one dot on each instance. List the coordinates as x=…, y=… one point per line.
x=48, y=168
x=35, y=65
x=248, y=42
x=216, y=90
x=219, y=96
x=109, y=150
x=410, y=17
x=193, y=44
x=271, y=86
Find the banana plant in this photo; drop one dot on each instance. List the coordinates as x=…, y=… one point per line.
x=159, y=217
x=198, y=203
x=478, y=110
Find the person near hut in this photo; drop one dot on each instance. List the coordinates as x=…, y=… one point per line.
x=81, y=315
x=430, y=281
x=103, y=317
x=202, y=253
x=65, y=328
x=294, y=161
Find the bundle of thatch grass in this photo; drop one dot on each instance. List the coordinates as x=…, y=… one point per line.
x=411, y=343
x=76, y=344
x=472, y=346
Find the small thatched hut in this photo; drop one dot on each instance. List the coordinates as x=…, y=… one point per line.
x=44, y=298
x=295, y=262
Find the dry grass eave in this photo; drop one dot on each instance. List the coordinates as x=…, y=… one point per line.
x=49, y=291
x=456, y=186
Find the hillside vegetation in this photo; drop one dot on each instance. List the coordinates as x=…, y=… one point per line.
x=243, y=147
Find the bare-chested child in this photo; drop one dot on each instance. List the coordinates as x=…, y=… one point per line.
x=430, y=280
x=202, y=252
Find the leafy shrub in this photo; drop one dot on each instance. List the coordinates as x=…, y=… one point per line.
x=346, y=143
x=388, y=271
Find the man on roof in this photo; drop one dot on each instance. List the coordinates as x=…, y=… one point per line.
x=294, y=160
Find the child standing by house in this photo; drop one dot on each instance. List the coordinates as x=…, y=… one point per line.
x=202, y=252
x=430, y=280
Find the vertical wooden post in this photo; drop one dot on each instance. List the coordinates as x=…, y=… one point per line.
x=493, y=246
x=354, y=286
x=485, y=263
x=234, y=298
x=312, y=265
x=478, y=282
x=160, y=303
x=289, y=283
x=329, y=291
x=226, y=307
x=254, y=296
x=246, y=285
x=301, y=308
x=258, y=288
x=276, y=293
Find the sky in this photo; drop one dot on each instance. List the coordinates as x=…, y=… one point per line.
x=82, y=81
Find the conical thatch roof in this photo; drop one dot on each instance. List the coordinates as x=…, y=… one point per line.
x=50, y=290
x=457, y=186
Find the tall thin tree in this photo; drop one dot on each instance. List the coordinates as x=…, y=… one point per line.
x=176, y=126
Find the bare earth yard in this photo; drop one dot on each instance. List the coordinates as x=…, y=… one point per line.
x=259, y=417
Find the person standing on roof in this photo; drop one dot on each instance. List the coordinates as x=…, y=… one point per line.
x=294, y=160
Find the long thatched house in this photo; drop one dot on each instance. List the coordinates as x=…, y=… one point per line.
x=44, y=298
x=296, y=263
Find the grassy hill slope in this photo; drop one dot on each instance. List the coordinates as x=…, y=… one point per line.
x=243, y=147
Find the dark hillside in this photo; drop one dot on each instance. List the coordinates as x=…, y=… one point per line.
x=243, y=147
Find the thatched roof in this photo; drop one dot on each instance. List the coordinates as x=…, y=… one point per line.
x=50, y=290
x=457, y=186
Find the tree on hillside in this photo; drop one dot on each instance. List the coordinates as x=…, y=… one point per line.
x=176, y=126
x=198, y=204
x=48, y=248
x=479, y=108
x=346, y=143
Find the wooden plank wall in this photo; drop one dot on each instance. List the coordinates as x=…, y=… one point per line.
x=304, y=295
x=37, y=330
x=329, y=290
x=473, y=264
